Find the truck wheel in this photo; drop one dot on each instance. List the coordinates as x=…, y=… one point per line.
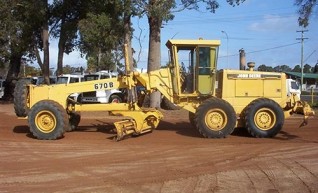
x=74, y=120
x=48, y=120
x=264, y=118
x=192, y=119
x=168, y=105
x=215, y=118
x=115, y=99
x=21, y=97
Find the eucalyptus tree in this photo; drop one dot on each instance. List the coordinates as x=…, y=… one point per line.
x=66, y=15
x=102, y=32
x=19, y=28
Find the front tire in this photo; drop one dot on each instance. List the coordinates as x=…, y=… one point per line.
x=48, y=120
x=264, y=118
x=215, y=118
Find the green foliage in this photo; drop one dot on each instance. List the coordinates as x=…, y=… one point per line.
x=101, y=34
x=297, y=69
x=307, y=68
x=265, y=68
x=284, y=68
x=305, y=10
x=104, y=61
x=67, y=69
x=64, y=20
x=315, y=69
x=28, y=71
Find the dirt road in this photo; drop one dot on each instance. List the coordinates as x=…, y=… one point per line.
x=173, y=158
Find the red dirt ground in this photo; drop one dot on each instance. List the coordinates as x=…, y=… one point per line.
x=173, y=158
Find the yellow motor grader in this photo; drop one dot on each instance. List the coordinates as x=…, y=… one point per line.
x=217, y=102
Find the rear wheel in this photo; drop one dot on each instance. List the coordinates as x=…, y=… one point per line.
x=115, y=99
x=215, y=118
x=48, y=120
x=264, y=118
x=21, y=97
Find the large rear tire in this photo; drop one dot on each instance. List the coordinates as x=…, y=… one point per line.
x=48, y=120
x=215, y=118
x=21, y=97
x=264, y=118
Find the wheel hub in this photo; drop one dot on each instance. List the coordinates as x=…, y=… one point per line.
x=265, y=119
x=216, y=119
x=45, y=121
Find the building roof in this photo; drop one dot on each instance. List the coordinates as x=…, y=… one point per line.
x=305, y=75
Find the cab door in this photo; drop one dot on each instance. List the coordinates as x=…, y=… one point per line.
x=206, y=70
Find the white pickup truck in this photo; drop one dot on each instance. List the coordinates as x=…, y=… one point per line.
x=68, y=79
x=103, y=96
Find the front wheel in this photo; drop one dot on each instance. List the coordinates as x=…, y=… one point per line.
x=215, y=118
x=264, y=118
x=48, y=120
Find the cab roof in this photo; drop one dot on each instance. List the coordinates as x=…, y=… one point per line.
x=190, y=43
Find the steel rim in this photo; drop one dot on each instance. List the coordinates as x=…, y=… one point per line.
x=45, y=121
x=216, y=119
x=265, y=119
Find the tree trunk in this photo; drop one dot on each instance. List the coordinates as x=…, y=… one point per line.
x=61, y=46
x=128, y=35
x=12, y=76
x=60, y=57
x=38, y=58
x=46, y=55
x=154, y=55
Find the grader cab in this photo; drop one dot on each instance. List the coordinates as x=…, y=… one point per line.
x=250, y=99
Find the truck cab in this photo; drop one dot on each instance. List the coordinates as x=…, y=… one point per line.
x=292, y=87
x=193, y=65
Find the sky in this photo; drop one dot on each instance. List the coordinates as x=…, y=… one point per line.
x=266, y=30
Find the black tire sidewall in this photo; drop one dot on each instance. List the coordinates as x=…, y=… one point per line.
x=20, y=95
x=60, y=121
x=257, y=105
x=205, y=107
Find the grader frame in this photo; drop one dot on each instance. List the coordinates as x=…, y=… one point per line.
x=255, y=100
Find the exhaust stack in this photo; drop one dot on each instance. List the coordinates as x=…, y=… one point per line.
x=242, y=59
